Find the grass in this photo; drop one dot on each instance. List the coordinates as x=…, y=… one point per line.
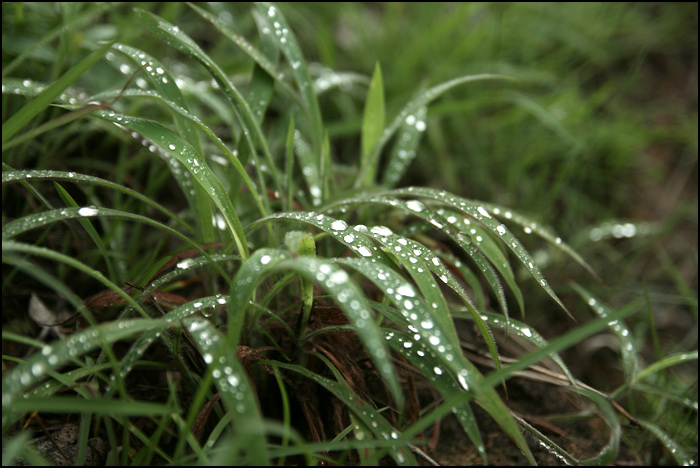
x=230, y=254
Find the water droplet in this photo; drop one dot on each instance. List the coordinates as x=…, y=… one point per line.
x=381, y=231
x=186, y=263
x=406, y=290
x=265, y=259
x=349, y=238
x=415, y=205
x=501, y=229
x=364, y=251
x=437, y=370
x=483, y=211
x=87, y=211
x=339, y=225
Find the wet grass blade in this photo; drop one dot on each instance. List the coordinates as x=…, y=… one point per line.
x=368, y=171
x=287, y=42
x=405, y=147
x=372, y=420
x=20, y=379
x=252, y=132
x=258, y=56
x=628, y=348
x=74, y=177
x=20, y=119
x=172, y=144
x=335, y=281
x=481, y=214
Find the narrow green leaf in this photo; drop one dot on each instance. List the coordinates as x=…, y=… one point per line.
x=260, y=59
x=282, y=32
x=335, y=281
x=91, y=231
x=74, y=177
x=46, y=97
x=21, y=378
x=111, y=407
x=372, y=420
x=172, y=144
x=373, y=117
x=369, y=170
x=628, y=348
x=405, y=147
x=252, y=132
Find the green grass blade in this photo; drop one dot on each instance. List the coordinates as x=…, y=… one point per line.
x=608, y=453
x=369, y=170
x=258, y=56
x=373, y=116
x=74, y=177
x=628, y=348
x=531, y=226
x=405, y=147
x=92, y=232
x=172, y=144
x=677, y=452
x=372, y=420
x=232, y=382
x=252, y=132
x=335, y=281
x=111, y=407
x=47, y=96
x=282, y=32
x=481, y=214
x=21, y=378
x=44, y=218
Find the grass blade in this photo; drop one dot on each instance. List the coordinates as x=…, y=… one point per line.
x=47, y=96
x=172, y=144
x=373, y=117
x=368, y=171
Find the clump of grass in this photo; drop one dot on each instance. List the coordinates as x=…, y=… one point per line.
x=223, y=290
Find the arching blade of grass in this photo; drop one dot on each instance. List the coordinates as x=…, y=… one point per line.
x=373, y=116
x=677, y=452
x=373, y=421
x=44, y=218
x=232, y=382
x=405, y=147
x=282, y=32
x=74, y=177
x=92, y=232
x=521, y=330
x=368, y=171
x=174, y=145
x=251, y=51
x=560, y=343
x=21, y=378
x=532, y=226
x=433, y=219
x=416, y=315
x=165, y=86
x=252, y=133
x=608, y=453
x=335, y=281
x=425, y=360
x=628, y=349
x=22, y=117
x=64, y=27
x=479, y=213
